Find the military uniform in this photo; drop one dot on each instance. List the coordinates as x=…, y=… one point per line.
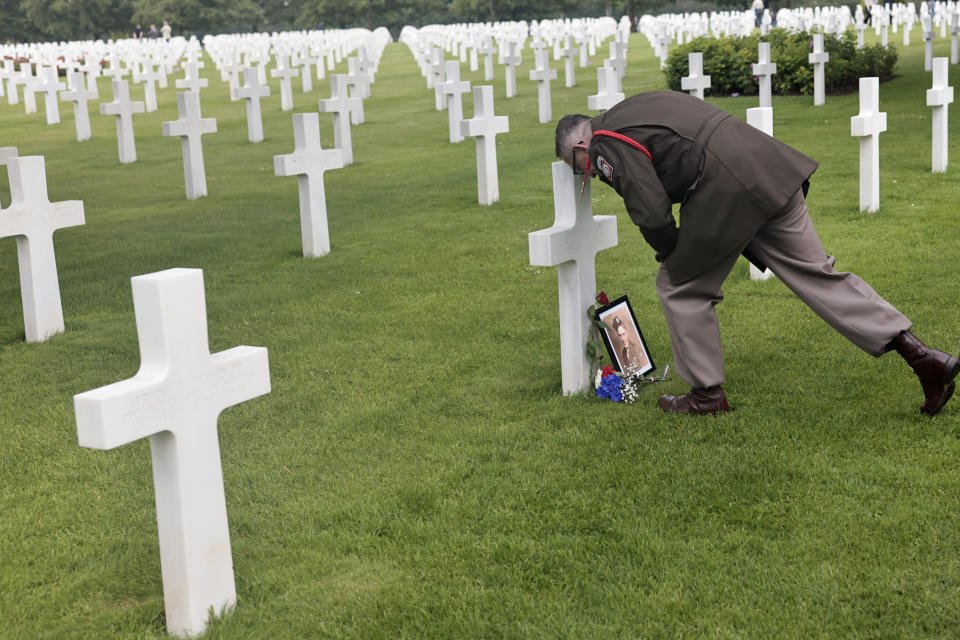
x=741, y=192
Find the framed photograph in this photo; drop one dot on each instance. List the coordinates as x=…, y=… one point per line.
x=625, y=344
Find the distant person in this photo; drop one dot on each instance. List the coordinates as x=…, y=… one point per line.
x=138, y=32
x=320, y=26
x=867, y=9
x=153, y=34
x=757, y=12
x=166, y=30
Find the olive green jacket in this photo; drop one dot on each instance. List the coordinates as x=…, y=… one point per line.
x=729, y=177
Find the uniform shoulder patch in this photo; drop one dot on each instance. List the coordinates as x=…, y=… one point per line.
x=605, y=167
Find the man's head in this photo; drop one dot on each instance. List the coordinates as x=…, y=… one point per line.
x=573, y=137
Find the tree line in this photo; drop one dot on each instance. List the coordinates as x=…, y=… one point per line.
x=53, y=20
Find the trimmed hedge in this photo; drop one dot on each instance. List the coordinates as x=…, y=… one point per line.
x=728, y=62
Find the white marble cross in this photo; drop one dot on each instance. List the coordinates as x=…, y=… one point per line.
x=696, y=82
x=510, y=63
x=940, y=97
x=358, y=86
x=868, y=125
x=286, y=75
x=233, y=69
x=572, y=244
x=618, y=58
x=569, y=53
x=764, y=69
x=928, y=35
x=308, y=162
x=306, y=75
x=191, y=81
x=252, y=91
x=485, y=126
x=607, y=94
x=582, y=42
x=359, y=78
x=13, y=96
x=955, y=37
x=190, y=127
x=175, y=399
x=487, y=50
x=29, y=82
x=340, y=106
x=50, y=85
x=760, y=118
x=543, y=74
x=123, y=108
x=79, y=96
x=91, y=68
x=454, y=88
x=32, y=219
x=818, y=58
x=860, y=26
x=149, y=79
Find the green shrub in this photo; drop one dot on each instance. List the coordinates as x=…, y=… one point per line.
x=728, y=62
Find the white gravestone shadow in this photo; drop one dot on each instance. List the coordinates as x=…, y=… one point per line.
x=308, y=162
x=572, y=244
x=32, y=219
x=175, y=400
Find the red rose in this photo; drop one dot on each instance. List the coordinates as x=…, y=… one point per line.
x=606, y=371
x=602, y=298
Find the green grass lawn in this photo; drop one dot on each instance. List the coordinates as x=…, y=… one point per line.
x=415, y=471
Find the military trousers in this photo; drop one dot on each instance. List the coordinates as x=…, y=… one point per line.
x=791, y=248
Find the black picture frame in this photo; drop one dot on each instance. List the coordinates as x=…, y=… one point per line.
x=627, y=349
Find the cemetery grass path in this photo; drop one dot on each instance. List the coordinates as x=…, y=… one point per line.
x=415, y=472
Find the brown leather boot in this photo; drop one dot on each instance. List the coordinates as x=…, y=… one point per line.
x=707, y=401
x=935, y=369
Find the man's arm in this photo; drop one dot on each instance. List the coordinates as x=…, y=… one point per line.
x=633, y=176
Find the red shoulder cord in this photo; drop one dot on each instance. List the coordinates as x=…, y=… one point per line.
x=622, y=138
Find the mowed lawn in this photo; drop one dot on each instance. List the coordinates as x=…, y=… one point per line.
x=415, y=471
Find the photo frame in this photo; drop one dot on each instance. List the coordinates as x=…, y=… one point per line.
x=624, y=340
